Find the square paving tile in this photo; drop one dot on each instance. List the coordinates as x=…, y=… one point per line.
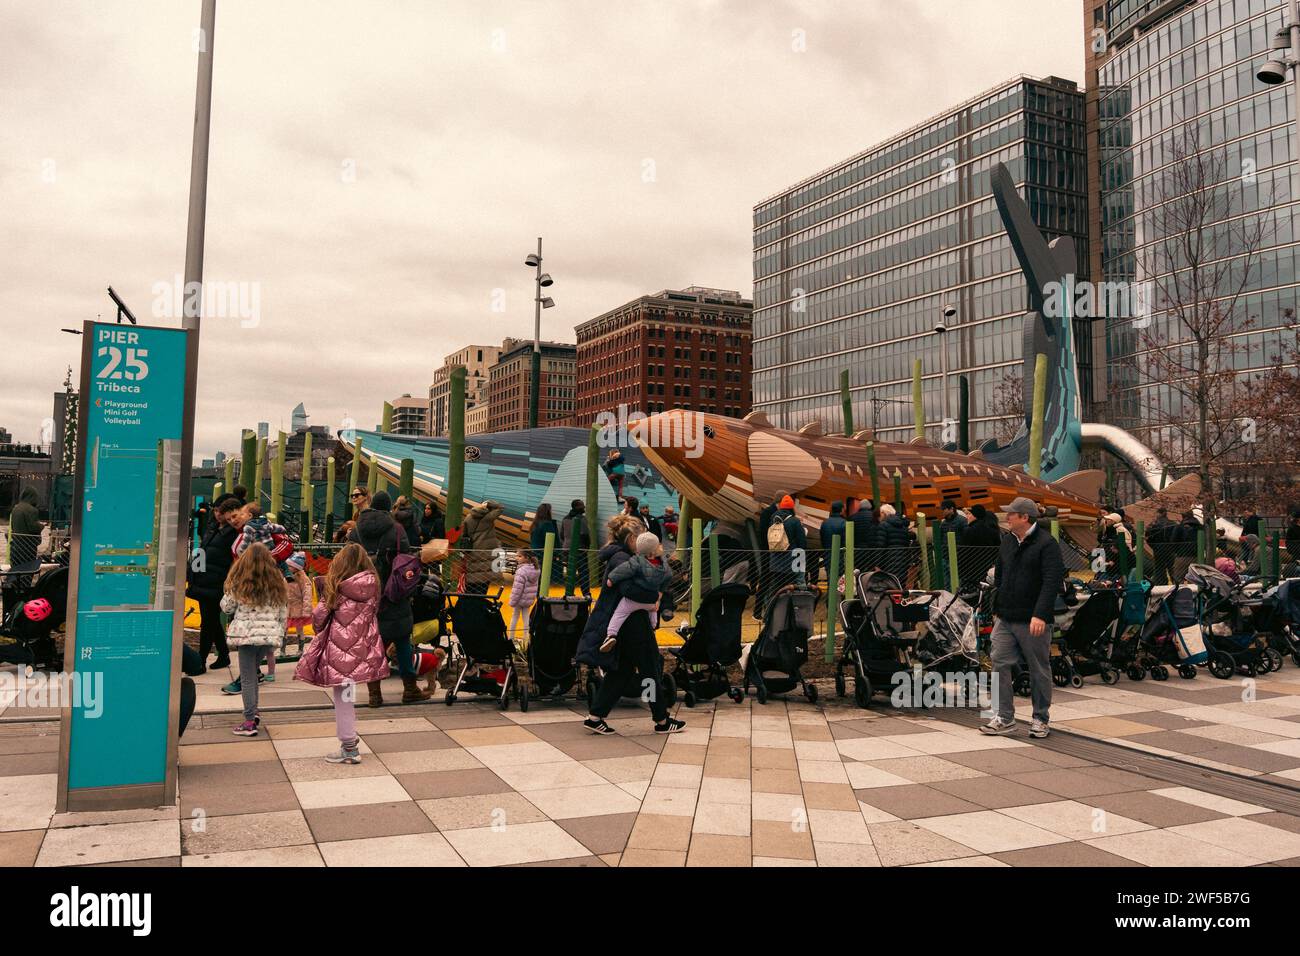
x=550, y=776
x=913, y=801
x=822, y=771
x=461, y=719
x=673, y=801
x=998, y=762
x=768, y=758
x=518, y=754
x=76, y=846
x=926, y=769
x=624, y=769
x=722, y=819
x=1210, y=801
x=725, y=790
x=334, y=824
x=1074, y=820
x=1152, y=809
x=1176, y=741
x=1063, y=854
x=993, y=793
x=903, y=843
x=244, y=751
x=1074, y=784
x=308, y=769
x=571, y=802
x=523, y=843
x=428, y=761
x=1251, y=758
x=655, y=858
x=782, y=839
x=407, y=741
x=19, y=847
x=655, y=831
x=451, y=783
x=1246, y=836
x=247, y=831
x=604, y=834
x=849, y=855
x=318, y=747
x=13, y=765
x=874, y=748
x=727, y=765
x=216, y=800
x=838, y=826
x=829, y=796
x=412, y=849
x=493, y=736
x=348, y=792
x=280, y=856
x=718, y=850
x=988, y=831
x=234, y=774
x=597, y=748
x=1109, y=726
x=690, y=755
x=482, y=810
x=1167, y=848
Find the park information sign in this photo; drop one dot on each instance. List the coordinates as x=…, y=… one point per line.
x=126, y=600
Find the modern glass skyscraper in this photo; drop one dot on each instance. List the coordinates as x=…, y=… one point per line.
x=854, y=266
x=1174, y=80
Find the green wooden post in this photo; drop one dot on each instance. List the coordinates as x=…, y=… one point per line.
x=455, y=462
x=307, y=490
x=849, y=546
x=1200, y=546
x=571, y=566
x=684, y=527
x=372, y=475
x=329, y=526
x=715, y=562
x=697, y=569
x=1140, y=549
x=918, y=400
x=406, y=486
x=833, y=598
x=875, y=475
x=277, y=473
x=923, y=539
x=1275, y=564
x=548, y=558
x=593, y=502
x=247, y=459
x=354, y=479
x=1164, y=476
x=256, y=490
x=229, y=477
x=846, y=402
x=386, y=426
x=1036, y=422
x=954, y=579
x=329, y=485
x=963, y=413
x=1056, y=528
x=218, y=490
x=898, y=491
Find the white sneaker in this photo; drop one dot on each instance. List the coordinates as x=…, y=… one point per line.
x=997, y=727
x=1038, y=728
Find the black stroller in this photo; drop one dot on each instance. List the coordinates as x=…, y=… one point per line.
x=1172, y=635
x=775, y=659
x=30, y=643
x=1278, y=618
x=480, y=631
x=1227, y=622
x=710, y=647
x=554, y=627
x=881, y=631
x=1089, y=631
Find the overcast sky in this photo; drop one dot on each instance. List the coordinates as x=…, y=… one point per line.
x=379, y=170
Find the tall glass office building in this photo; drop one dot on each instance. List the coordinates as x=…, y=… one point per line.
x=854, y=266
x=1175, y=76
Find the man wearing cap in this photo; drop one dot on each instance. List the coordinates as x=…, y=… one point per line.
x=1030, y=572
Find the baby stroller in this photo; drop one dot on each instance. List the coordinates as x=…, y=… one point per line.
x=710, y=647
x=1088, y=636
x=554, y=627
x=26, y=631
x=1171, y=636
x=1227, y=623
x=480, y=631
x=774, y=661
x=881, y=631
x=1277, y=616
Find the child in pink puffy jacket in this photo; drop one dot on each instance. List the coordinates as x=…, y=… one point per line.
x=524, y=591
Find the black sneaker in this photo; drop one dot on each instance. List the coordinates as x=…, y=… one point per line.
x=598, y=727
x=670, y=725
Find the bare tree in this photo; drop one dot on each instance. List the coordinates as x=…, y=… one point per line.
x=1204, y=239
x=1007, y=405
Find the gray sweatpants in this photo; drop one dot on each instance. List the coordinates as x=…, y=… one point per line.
x=250, y=660
x=1012, y=645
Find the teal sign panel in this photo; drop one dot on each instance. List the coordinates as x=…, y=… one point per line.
x=126, y=561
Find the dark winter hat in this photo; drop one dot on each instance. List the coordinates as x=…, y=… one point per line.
x=837, y=507
x=381, y=501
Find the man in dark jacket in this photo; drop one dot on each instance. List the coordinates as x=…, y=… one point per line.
x=575, y=522
x=652, y=524
x=832, y=525
x=867, y=536
x=24, y=539
x=206, y=581
x=384, y=539
x=1186, y=537
x=950, y=521
x=1251, y=523
x=896, y=544
x=979, y=546
x=1162, y=537
x=1029, y=576
x=1293, y=536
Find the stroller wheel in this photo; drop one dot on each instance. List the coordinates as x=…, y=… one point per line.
x=1186, y=671
x=762, y=695
x=810, y=691
x=862, y=691
x=1109, y=676
x=1059, y=679
x=1076, y=681
x=451, y=698
x=1160, y=673
x=736, y=694
x=1023, y=686
x=669, y=684
x=523, y=697
x=1135, y=673
x=689, y=698
x=1221, y=665
x=839, y=680
x=1274, y=659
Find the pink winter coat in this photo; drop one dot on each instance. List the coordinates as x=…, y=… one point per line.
x=524, y=591
x=346, y=648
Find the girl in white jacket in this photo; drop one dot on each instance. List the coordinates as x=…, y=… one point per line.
x=257, y=600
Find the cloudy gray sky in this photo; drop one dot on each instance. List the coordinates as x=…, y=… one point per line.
x=380, y=169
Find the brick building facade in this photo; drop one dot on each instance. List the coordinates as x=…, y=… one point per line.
x=509, y=382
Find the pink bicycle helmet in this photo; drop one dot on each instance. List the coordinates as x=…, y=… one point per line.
x=37, y=610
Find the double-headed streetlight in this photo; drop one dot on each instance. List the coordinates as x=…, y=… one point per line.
x=941, y=329
x=542, y=280
x=1286, y=56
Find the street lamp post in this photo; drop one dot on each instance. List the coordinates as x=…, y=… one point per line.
x=540, y=302
x=1286, y=56
x=941, y=329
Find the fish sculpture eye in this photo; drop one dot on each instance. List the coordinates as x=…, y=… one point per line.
x=472, y=453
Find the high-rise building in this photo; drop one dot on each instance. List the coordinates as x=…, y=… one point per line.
x=510, y=380
x=855, y=266
x=263, y=430
x=1171, y=81
x=410, y=415
x=477, y=359
x=298, y=418
x=671, y=349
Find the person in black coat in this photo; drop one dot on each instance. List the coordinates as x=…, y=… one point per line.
x=652, y=524
x=593, y=635
x=833, y=526
x=1162, y=537
x=432, y=525
x=896, y=543
x=979, y=547
x=206, y=581
x=384, y=539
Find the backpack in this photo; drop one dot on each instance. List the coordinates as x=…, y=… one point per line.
x=777, y=540
x=401, y=572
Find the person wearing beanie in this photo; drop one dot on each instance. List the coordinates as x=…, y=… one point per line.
x=787, y=545
x=980, y=546
x=832, y=527
x=384, y=539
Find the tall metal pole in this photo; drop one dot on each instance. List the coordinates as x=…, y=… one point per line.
x=534, y=391
x=943, y=376
x=199, y=176
x=1294, y=27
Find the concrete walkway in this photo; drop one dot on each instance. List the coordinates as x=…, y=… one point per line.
x=782, y=784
